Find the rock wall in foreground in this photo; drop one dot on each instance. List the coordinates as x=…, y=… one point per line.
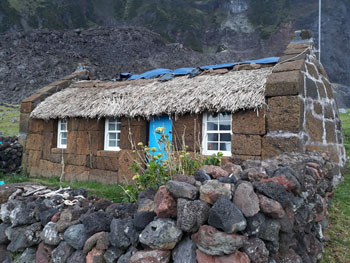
x=256, y=211
x=10, y=154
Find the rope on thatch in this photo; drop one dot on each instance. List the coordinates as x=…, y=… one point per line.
x=230, y=92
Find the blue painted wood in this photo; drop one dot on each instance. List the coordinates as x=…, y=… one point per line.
x=162, y=121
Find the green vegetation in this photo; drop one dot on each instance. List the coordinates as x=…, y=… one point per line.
x=268, y=15
x=153, y=170
x=9, y=120
x=337, y=248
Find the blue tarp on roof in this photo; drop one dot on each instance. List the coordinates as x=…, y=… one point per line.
x=184, y=71
x=151, y=74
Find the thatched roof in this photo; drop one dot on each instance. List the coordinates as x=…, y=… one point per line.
x=230, y=92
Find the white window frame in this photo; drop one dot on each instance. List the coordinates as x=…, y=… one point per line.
x=205, y=133
x=108, y=132
x=60, y=133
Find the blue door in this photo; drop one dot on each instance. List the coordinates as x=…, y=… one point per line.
x=162, y=121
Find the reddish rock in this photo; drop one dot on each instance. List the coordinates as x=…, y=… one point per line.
x=214, y=242
x=100, y=240
x=246, y=199
x=237, y=257
x=95, y=256
x=184, y=178
x=271, y=207
x=315, y=172
x=56, y=217
x=151, y=256
x=215, y=171
x=43, y=253
x=165, y=204
x=256, y=174
x=281, y=180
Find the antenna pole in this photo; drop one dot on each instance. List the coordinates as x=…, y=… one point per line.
x=319, y=29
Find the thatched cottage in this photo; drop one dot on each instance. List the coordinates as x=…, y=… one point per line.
x=85, y=129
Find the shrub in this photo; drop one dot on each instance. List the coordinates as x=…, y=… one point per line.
x=154, y=169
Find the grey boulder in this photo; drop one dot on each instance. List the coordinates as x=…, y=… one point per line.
x=226, y=216
x=161, y=234
x=191, y=214
x=50, y=236
x=182, y=190
x=76, y=236
x=185, y=251
x=61, y=253
x=123, y=234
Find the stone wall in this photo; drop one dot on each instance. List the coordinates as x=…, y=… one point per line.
x=269, y=211
x=10, y=155
x=84, y=158
x=302, y=114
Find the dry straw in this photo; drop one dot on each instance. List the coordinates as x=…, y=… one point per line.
x=230, y=92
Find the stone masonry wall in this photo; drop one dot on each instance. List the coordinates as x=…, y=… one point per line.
x=302, y=114
x=84, y=158
x=10, y=154
x=269, y=211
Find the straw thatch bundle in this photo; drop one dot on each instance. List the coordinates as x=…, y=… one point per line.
x=230, y=92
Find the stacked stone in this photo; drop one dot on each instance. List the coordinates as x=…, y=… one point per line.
x=302, y=114
x=10, y=154
x=256, y=211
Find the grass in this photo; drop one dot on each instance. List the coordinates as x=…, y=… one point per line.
x=338, y=247
x=114, y=193
x=9, y=120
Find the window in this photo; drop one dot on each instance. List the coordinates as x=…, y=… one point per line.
x=62, y=134
x=217, y=133
x=112, y=134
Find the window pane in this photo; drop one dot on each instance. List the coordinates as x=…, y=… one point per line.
x=118, y=143
x=225, y=146
x=64, y=135
x=119, y=126
x=225, y=126
x=112, y=136
x=111, y=127
x=212, y=146
x=112, y=143
x=118, y=135
x=225, y=137
x=225, y=116
x=212, y=126
x=213, y=117
x=213, y=137
x=63, y=141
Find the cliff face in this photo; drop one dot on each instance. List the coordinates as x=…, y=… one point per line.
x=222, y=30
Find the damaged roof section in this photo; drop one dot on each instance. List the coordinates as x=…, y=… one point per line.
x=213, y=90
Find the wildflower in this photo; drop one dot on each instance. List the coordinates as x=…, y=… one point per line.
x=159, y=155
x=155, y=157
x=153, y=149
x=140, y=144
x=136, y=177
x=181, y=156
x=160, y=129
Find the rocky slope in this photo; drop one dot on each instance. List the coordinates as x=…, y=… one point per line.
x=221, y=31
